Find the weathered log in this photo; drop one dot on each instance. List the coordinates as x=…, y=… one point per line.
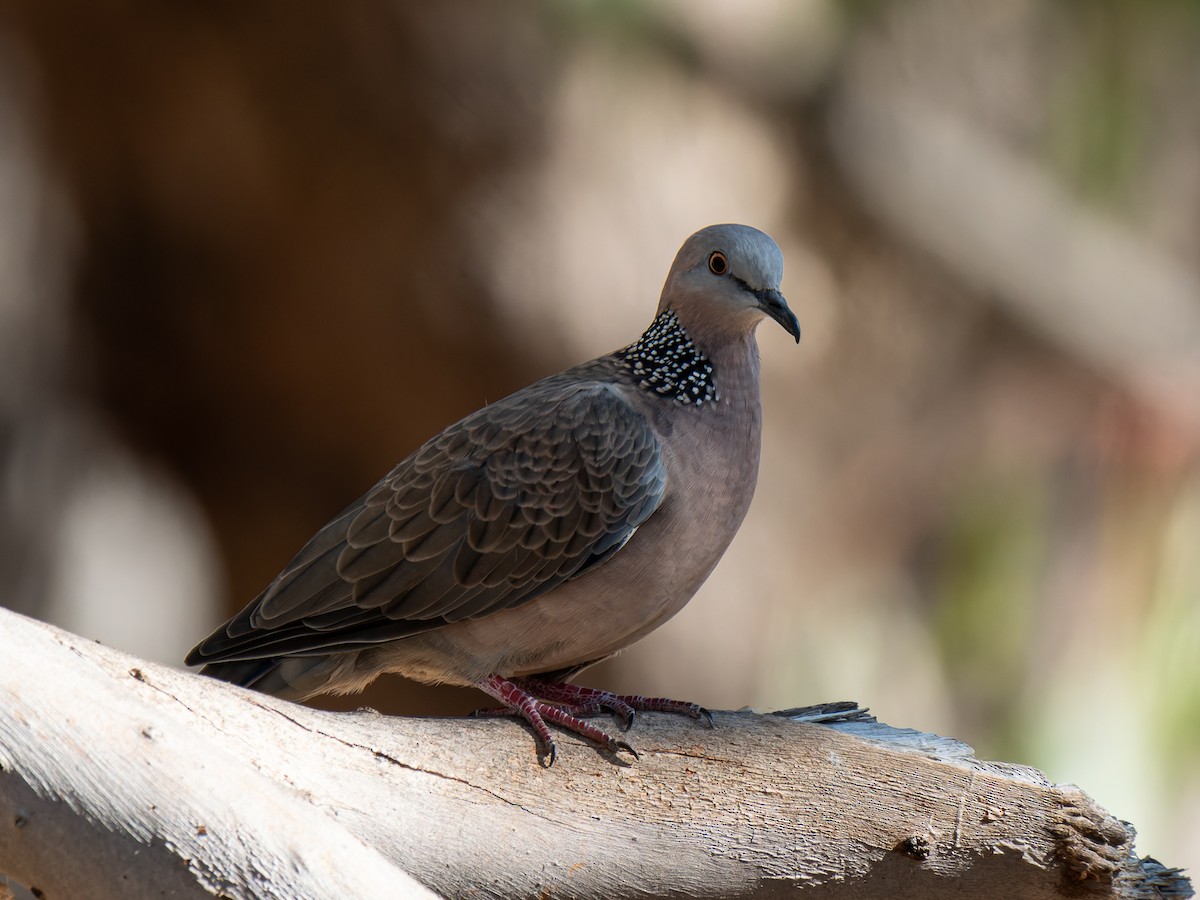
x=125, y=779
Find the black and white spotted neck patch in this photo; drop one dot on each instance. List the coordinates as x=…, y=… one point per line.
x=665, y=361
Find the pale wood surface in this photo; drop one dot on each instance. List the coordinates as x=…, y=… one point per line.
x=125, y=779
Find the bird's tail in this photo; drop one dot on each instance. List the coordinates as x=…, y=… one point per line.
x=290, y=678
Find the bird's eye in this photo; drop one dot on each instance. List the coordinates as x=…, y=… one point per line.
x=717, y=263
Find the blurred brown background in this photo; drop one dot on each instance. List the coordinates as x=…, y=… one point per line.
x=253, y=254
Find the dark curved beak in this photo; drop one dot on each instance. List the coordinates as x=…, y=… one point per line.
x=773, y=304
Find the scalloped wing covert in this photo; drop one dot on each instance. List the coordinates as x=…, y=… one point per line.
x=496, y=510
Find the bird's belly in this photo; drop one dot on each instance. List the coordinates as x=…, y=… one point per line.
x=619, y=601
x=589, y=618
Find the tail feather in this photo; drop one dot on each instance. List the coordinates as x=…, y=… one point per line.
x=290, y=678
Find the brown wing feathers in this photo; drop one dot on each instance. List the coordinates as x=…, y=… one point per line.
x=494, y=511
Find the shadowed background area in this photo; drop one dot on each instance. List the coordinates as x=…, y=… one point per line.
x=251, y=255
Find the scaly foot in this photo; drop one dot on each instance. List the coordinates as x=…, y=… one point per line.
x=539, y=702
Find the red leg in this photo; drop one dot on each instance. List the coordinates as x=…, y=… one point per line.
x=579, y=701
x=590, y=701
x=538, y=712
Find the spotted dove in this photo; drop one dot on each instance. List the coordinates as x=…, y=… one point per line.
x=546, y=531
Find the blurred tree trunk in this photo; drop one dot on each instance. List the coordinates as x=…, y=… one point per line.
x=274, y=232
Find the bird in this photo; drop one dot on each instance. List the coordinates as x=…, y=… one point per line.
x=546, y=531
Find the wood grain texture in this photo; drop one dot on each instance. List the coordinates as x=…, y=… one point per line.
x=124, y=779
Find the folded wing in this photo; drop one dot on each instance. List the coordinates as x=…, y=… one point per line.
x=495, y=511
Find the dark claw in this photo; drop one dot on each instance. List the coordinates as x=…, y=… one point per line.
x=704, y=713
x=546, y=760
x=627, y=723
x=621, y=745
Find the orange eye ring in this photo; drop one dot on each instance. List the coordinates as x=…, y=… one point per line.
x=717, y=263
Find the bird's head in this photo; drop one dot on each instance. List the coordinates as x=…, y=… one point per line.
x=727, y=277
